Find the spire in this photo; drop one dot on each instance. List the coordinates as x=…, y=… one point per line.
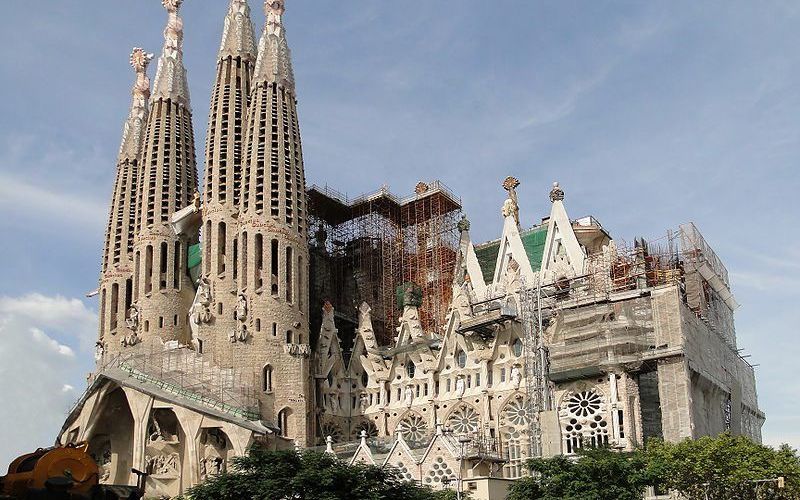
x=132, y=134
x=274, y=57
x=238, y=39
x=171, y=80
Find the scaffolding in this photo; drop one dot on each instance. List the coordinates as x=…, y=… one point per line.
x=608, y=326
x=364, y=249
x=182, y=372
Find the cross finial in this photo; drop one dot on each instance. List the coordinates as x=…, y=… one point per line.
x=172, y=6
x=276, y=7
x=556, y=194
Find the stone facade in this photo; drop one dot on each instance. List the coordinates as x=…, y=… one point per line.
x=549, y=339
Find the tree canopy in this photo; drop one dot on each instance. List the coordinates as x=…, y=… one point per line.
x=598, y=474
x=723, y=467
x=271, y=475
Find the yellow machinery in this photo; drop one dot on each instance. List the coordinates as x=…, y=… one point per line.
x=67, y=472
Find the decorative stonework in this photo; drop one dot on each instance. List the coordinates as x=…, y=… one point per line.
x=556, y=194
x=464, y=420
x=511, y=205
x=413, y=427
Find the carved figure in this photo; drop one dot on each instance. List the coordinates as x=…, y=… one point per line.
x=240, y=313
x=409, y=396
x=511, y=205
x=516, y=376
x=99, y=351
x=461, y=386
x=364, y=401
x=334, y=400
x=133, y=318
x=512, y=280
x=201, y=307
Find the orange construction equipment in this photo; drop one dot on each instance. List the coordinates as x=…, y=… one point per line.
x=67, y=472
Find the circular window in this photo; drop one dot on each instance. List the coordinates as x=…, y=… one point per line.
x=461, y=359
x=584, y=404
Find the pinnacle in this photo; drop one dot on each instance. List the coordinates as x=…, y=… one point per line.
x=238, y=39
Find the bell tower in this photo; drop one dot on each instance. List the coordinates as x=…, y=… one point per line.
x=163, y=291
x=116, y=279
x=218, y=324
x=273, y=333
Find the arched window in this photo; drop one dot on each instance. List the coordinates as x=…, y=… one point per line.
x=516, y=347
x=289, y=337
x=364, y=379
x=410, y=369
x=284, y=421
x=461, y=358
x=267, y=378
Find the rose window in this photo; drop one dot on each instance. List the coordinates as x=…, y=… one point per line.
x=584, y=404
x=332, y=430
x=369, y=426
x=413, y=427
x=516, y=412
x=465, y=420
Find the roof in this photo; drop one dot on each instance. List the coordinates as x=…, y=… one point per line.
x=533, y=240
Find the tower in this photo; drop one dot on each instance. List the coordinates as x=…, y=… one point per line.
x=116, y=279
x=223, y=179
x=273, y=279
x=167, y=183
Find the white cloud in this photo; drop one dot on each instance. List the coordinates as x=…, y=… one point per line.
x=40, y=368
x=51, y=205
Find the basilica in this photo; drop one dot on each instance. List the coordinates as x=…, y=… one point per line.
x=256, y=309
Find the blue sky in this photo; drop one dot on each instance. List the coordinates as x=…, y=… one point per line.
x=650, y=114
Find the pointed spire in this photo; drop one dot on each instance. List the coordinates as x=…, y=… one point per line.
x=274, y=57
x=238, y=38
x=132, y=134
x=171, y=80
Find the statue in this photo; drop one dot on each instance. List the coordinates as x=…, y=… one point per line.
x=200, y=312
x=511, y=205
x=334, y=399
x=132, y=321
x=364, y=401
x=462, y=298
x=409, y=396
x=512, y=281
x=461, y=387
x=99, y=351
x=240, y=313
x=516, y=376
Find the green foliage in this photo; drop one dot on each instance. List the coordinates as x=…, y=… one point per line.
x=268, y=475
x=723, y=467
x=597, y=474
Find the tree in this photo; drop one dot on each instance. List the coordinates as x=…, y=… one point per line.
x=596, y=474
x=723, y=467
x=286, y=475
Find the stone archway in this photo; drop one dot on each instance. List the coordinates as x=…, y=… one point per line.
x=164, y=453
x=111, y=438
x=216, y=450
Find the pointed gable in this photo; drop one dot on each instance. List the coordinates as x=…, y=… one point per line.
x=562, y=251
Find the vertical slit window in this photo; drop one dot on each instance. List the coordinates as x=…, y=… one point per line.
x=114, y=305
x=289, y=276
x=103, y=312
x=235, y=258
x=148, y=269
x=244, y=260
x=259, y=264
x=274, y=267
x=136, y=277
x=221, y=243
x=176, y=266
x=207, y=244
x=300, y=288
x=162, y=261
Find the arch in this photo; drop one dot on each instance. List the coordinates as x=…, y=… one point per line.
x=514, y=431
x=463, y=418
x=215, y=450
x=266, y=378
x=286, y=422
x=165, y=452
x=111, y=438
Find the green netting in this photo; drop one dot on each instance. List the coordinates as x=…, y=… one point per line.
x=533, y=241
x=195, y=255
x=487, y=258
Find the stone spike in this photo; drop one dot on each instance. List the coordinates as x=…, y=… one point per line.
x=132, y=133
x=274, y=62
x=171, y=82
x=238, y=38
